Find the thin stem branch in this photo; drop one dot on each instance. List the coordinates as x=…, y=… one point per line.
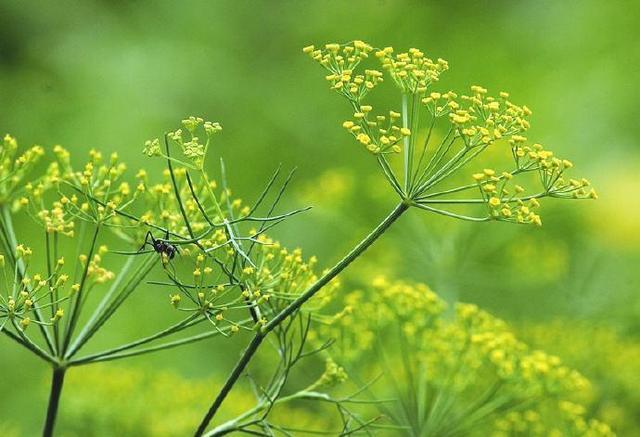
x=108, y=306
x=26, y=342
x=408, y=151
x=451, y=214
x=252, y=348
x=340, y=266
x=79, y=295
x=230, y=382
x=183, y=324
x=146, y=350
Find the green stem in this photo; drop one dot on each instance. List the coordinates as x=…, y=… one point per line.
x=57, y=381
x=132, y=353
x=230, y=382
x=467, y=201
x=408, y=152
x=52, y=294
x=293, y=307
x=108, y=306
x=233, y=424
x=340, y=266
x=176, y=190
x=12, y=241
x=177, y=327
x=75, y=310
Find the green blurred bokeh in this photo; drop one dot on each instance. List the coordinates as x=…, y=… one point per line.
x=111, y=74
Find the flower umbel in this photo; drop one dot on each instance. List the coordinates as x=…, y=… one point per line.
x=469, y=368
x=441, y=134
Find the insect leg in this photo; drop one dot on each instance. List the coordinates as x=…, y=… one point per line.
x=146, y=240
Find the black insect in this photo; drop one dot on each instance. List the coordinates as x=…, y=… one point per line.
x=161, y=246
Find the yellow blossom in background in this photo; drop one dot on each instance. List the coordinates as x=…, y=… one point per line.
x=470, y=360
x=612, y=371
x=618, y=231
x=331, y=187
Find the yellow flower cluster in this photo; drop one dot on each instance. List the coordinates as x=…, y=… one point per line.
x=215, y=302
x=529, y=372
x=473, y=357
x=340, y=61
x=284, y=274
x=95, y=272
x=14, y=168
x=99, y=189
x=486, y=119
x=505, y=203
x=472, y=123
x=440, y=104
x=483, y=119
x=411, y=307
x=192, y=148
x=612, y=371
x=275, y=276
x=412, y=72
x=333, y=375
x=57, y=219
x=160, y=206
x=159, y=201
x=152, y=148
x=272, y=277
x=379, y=134
x=551, y=170
x=570, y=421
x=24, y=295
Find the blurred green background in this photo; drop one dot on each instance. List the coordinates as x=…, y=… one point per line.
x=111, y=74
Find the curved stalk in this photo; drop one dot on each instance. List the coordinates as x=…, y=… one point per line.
x=252, y=348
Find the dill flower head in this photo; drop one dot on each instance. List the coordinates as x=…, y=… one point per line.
x=411, y=71
x=441, y=135
x=340, y=61
x=92, y=193
x=211, y=249
x=15, y=167
x=469, y=359
x=219, y=264
x=188, y=140
x=233, y=268
x=24, y=292
x=333, y=375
